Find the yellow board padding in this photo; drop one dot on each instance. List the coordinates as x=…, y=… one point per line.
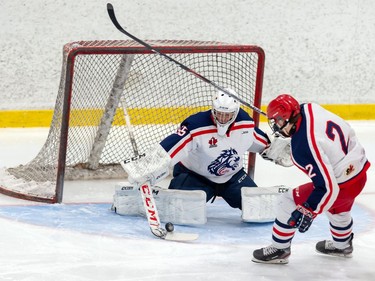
x=25, y=118
x=92, y=117
x=140, y=116
x=345, y=111
x=137, y=116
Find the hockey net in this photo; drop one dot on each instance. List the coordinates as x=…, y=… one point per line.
x=88, y=135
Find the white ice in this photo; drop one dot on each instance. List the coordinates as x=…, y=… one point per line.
x=315, y=49
x=82, y=239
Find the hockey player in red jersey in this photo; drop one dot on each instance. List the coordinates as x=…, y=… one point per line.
x=326, y=148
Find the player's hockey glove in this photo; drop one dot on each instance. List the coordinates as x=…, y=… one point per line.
x=302, y=217
x=278, y=151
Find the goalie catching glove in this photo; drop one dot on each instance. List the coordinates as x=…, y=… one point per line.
x=279, y=152
x=153, y=166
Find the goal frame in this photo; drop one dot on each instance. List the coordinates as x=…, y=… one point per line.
x=118, y=47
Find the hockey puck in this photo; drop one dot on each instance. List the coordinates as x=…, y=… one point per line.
x=169, y=227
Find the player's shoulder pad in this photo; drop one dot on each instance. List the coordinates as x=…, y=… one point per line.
x=197, y=120
x=243, y=116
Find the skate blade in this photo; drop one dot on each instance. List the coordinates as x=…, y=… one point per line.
x=275, y=261
x=181, y=236
x=336, y=254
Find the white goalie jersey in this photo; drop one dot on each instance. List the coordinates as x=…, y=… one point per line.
x=198, y=147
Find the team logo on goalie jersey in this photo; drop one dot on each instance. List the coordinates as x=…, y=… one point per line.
x=212, y=142
x=227, y=161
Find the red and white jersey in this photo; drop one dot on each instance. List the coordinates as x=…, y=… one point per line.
x=326, y=148
x=198, y=147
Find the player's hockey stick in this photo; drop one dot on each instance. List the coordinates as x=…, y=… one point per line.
x=129, y=127
x=114, y=20
x=148, y=198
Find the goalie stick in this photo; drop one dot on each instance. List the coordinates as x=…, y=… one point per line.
x=114, y=20
x=148, y=198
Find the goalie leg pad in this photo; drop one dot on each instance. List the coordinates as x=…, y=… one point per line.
x=127, y=200
x=175, y=206
x=259, y=203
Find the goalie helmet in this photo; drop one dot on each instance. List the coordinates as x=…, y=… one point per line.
x=282, y=111
x=224, y=110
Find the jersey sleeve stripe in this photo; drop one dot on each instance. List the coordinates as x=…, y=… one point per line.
x=319, y=161
x=190, y=138
x=181, y=146
x=260, y=138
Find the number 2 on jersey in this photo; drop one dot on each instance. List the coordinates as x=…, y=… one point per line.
x=333, y=128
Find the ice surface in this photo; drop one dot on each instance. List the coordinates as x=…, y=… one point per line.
x=327, y=47
x=82, y=239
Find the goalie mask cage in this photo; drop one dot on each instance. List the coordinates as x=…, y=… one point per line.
x=101, y=81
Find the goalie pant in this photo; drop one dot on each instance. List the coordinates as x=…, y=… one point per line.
x=184, y=179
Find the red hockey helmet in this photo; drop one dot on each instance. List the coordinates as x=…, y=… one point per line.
x=282, y=111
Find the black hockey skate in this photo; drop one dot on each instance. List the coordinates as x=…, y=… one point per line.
x=326, y=247
x=271, y=254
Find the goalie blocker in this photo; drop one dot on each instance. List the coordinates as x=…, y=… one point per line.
x=189, y=207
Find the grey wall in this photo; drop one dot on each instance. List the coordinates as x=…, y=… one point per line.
x=321, y=50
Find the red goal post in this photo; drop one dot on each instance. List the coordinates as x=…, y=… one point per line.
x=100, y=80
